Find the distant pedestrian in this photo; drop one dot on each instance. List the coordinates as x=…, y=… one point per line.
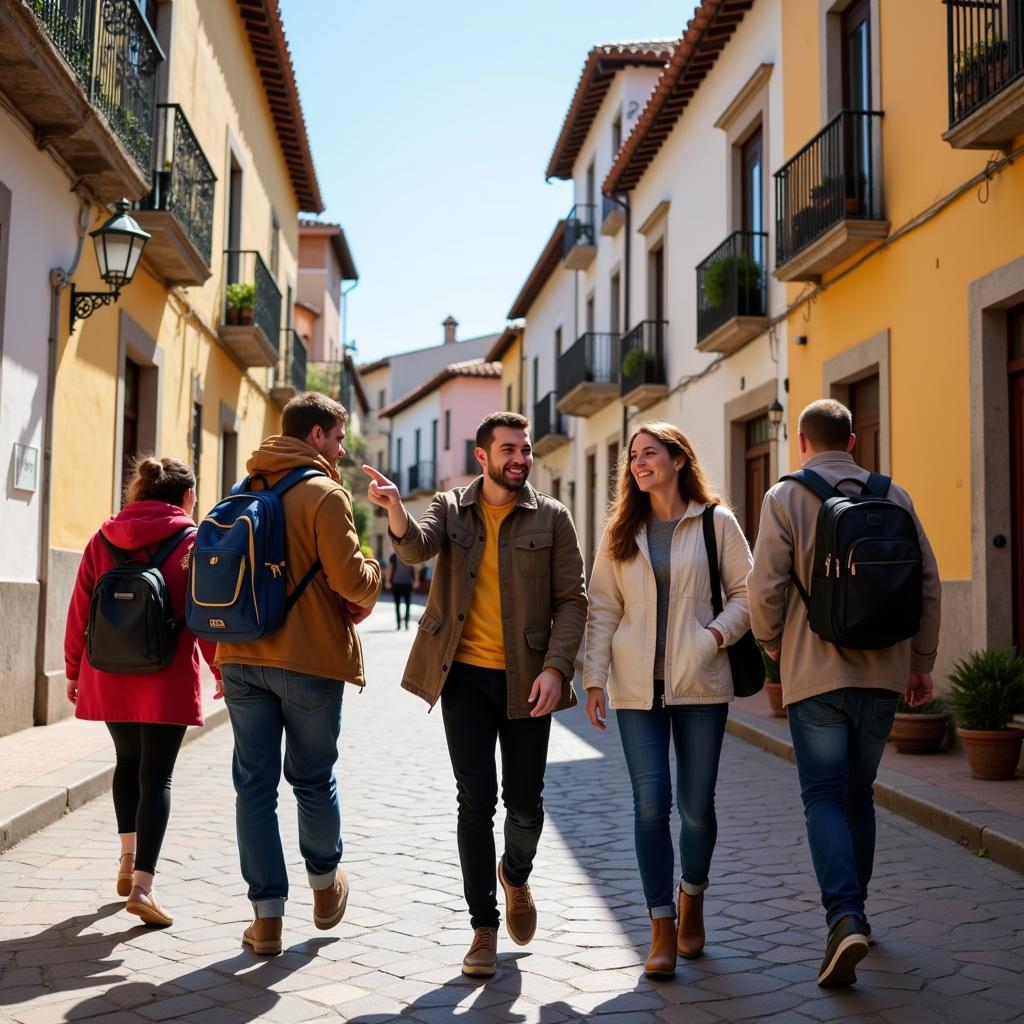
x=401, y=578
x=497, y=644
x=655, y=645
x=146, y=708
x=842, y=696
x=291, y=681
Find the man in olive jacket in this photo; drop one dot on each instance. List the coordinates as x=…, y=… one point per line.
x=497, y=644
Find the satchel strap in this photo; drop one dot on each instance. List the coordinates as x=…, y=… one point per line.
x=711, y=546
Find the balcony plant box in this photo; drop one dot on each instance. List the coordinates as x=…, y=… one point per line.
x=637, y=361
x=919, y=730
x=740, y=271
x=988, y=690
x=982, y=71
x=241, y=301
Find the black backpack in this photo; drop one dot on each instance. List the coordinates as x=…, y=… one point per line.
x=131, y=628
x=866, y=579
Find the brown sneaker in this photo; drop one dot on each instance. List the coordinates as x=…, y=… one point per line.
x=264, y=936
x=691, y=925
x=482, y=958
x=520, y=910
x=329, y=904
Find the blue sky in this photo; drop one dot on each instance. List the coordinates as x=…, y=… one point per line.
x=431, y=127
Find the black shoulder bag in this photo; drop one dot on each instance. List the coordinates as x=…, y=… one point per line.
x=744, y=656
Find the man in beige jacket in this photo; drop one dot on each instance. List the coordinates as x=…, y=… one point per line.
x=841, y=701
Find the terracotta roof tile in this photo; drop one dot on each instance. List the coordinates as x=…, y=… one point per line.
x=339, y=243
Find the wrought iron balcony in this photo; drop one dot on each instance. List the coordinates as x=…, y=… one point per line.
x=588, y=374
x=985, y=72
x=62, y=62
x=252, y=309
x=178, y=212
x=732, y=293
x=613, y=215
x=642, y=364
x=580, y=243
x=549, y=427
x=828, y=198
x=422, y=477
x=290, y=371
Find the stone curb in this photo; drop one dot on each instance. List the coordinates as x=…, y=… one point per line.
x=27, y=809
x=984, y=830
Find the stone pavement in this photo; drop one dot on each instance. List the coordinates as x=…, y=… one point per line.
x=950, y=925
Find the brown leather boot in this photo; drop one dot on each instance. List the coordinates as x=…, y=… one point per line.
x=264, y=936
x=329, y=904
x=520, y=910
x=482, y=958
x=691, y=925
x=661, y=960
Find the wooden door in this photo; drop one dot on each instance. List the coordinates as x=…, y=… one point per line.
x=1016, y=379
x=865, y=405
x=758, y=473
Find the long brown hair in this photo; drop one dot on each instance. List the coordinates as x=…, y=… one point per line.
x=155, y=479
x=631, y=507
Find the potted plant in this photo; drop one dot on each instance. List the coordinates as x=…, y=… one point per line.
x=773, y=684
x=988, y=690
x=636, y=362
x=241, y=301
x=981, y=71
x=739, y=272
x=919, y=730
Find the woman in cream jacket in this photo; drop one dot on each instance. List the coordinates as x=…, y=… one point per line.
x=656, y=652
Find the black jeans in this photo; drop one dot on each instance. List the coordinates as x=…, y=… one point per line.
x=142, y=784
x=401, y=592
x=474, y=706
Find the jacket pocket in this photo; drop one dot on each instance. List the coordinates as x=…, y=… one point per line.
x=461, y=536
x=533, y=552
x=430, y=623
x=537, y=639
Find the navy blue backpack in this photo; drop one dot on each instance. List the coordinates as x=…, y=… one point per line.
x=236, y=579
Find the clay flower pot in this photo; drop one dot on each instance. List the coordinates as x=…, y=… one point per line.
x=992, y=753
x=774, y=691
x=917, y=733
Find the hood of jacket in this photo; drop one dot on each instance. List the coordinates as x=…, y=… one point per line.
x=279, y=454
x=140, y=524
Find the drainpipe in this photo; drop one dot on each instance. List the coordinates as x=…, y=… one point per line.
x=59, y=280
x=344, y=332
x=624, y=203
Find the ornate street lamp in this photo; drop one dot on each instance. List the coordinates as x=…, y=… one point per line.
x=119, y=244
x=775, y=416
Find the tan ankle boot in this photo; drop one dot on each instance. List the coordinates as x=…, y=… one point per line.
x=263, y=936
x=661, y=960
x=482, y=958
x=691, y=925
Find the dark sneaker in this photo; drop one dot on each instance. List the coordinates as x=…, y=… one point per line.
x=482, y=958
x=847, y=945
x=520, y=910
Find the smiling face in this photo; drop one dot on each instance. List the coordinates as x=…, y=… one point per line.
x=509, y=459
x=653, y=466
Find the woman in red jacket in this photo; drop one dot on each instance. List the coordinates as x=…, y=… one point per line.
x=146, y=714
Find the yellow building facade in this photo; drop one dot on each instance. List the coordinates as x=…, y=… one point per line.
x=898, y=230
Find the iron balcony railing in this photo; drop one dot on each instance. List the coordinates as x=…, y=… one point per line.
x=260, y=294
x=183, y=180
x=291, y=371
x=642, y=355
x=731, y=282
x=422, y=477
x=580, y=228
x=984, y=51
x=547, y=420
x=834, y=177
x=115, y=56
x=590, y=360
x=610, y=205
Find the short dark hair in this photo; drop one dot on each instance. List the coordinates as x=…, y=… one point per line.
x=308, y=410
x=827, y=425
x=485, y=432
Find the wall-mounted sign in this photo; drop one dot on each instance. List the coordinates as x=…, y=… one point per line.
x=26, y=467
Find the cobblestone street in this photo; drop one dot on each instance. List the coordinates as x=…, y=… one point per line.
x=949, y=925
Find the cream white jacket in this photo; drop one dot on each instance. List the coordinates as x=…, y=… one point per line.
x=623, y=617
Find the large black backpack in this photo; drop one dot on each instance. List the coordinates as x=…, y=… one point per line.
x=865, y=590
x=132, y=630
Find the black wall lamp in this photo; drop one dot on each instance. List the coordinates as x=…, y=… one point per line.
x=119, y=244
x=776, y=415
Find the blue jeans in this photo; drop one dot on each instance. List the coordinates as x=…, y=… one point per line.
x=264, y=703
x=696, y=731
x=838, y=739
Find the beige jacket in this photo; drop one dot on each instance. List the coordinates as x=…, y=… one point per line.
x=785, y=540
x=623, y=618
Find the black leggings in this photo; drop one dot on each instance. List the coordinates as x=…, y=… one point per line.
x=142, y=784
x=401, y=592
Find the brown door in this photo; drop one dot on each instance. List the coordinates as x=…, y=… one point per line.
x=1016, y=374
x=757, y=482
x=130, y=421
x=865, y=405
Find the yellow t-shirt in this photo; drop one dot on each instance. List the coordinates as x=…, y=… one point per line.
x=482, y=641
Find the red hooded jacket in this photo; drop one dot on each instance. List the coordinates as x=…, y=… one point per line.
x=172, y=696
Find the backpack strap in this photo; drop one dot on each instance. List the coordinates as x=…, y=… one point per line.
x=818, y=485
x=118, y=555
x=302, y=584
x=711, y=546
x=878, y=485
x=165, y=550
x=289, y=480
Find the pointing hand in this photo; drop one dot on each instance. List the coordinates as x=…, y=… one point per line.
x=382, y=491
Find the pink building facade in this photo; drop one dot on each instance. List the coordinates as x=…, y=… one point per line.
x=465, y=401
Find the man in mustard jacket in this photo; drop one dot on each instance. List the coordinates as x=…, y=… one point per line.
x=292, y=680
x=497, y=644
